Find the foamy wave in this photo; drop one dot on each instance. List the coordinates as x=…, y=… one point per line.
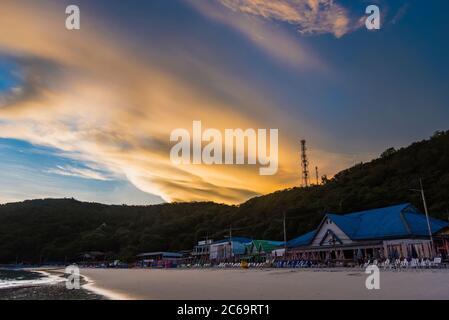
x=47, y=279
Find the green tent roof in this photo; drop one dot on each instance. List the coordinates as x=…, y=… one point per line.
x=264, y=245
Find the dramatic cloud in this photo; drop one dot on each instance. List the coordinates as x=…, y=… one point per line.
x=278, y=43
x=309, y=16
x=87, y=95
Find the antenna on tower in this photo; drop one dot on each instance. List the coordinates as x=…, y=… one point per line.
x=317, y=176
x=304, y=164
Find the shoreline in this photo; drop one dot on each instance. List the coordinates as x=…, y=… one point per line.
x=51, y=287
x=236, y=284
x=107, y=293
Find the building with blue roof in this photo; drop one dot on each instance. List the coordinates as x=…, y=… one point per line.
x=399, y=231
x=229, y=249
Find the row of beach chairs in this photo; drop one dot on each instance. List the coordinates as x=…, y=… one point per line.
x=239, y=265
x=195, y=266
x=395, y=264
x=407, y=264
x=294, y=264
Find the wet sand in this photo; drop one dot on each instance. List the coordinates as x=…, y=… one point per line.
x=274, y=284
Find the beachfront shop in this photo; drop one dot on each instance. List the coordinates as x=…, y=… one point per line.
x=201, y=251
x=396, y=232
x=228, y=250
x=160, y=259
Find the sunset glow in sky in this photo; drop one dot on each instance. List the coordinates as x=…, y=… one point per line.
x=88, y=113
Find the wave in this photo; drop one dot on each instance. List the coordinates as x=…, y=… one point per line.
x=22, y=279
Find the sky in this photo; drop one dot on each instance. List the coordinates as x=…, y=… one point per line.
x=88, y=113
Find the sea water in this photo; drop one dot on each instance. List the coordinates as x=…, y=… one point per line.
x=22, y=278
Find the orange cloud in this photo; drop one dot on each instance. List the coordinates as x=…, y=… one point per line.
x=87, y=95
x=309, y=16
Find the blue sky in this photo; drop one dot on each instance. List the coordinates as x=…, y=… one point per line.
x=7, y=79
x=31, y=170
x=87, y=114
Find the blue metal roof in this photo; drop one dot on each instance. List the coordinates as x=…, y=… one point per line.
x=234, y=239
x=398, y=221
x=238, y=248
x=163, y=254
x=303, y=240
x=395, y=221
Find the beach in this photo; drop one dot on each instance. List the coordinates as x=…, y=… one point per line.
x=236, y=284
x=269, y=284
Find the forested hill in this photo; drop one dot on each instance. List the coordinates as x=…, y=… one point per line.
x=55, y=230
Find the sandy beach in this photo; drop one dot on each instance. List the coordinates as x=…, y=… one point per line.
x=274, y=284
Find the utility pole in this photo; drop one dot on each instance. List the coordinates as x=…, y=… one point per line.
x=285, y=232
x=427, y=215
x=317, y=178
x=285, y=235
x=230, y=240
x=423, y=196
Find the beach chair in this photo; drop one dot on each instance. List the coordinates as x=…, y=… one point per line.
x=422, y=264
x=404, y=264
x=436, y=263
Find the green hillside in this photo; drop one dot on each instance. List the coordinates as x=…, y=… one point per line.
x=56, y=230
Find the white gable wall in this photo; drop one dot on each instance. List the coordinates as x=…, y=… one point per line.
x=329, y=225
